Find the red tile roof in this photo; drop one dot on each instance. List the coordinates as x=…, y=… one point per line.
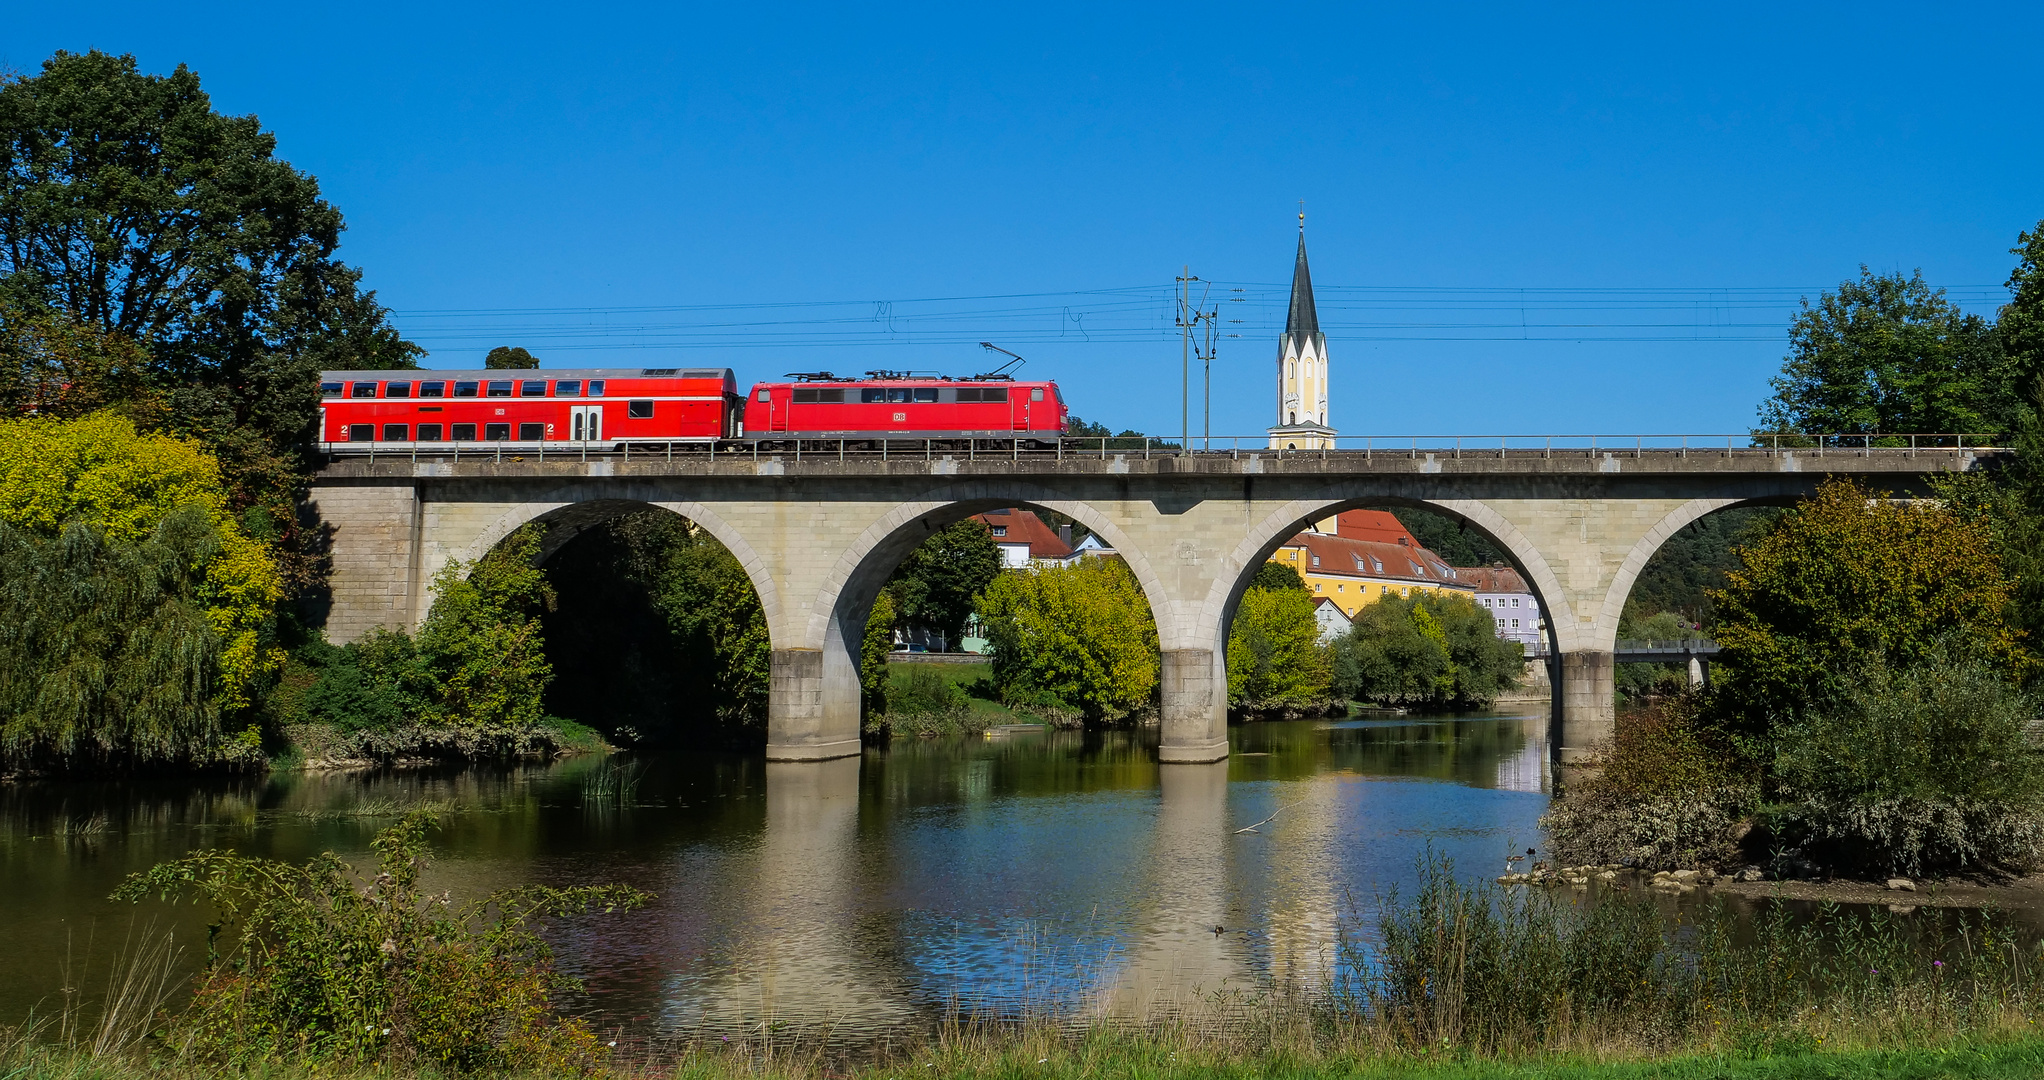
x=1366, y=558
x=1497, y=579
x=1024, y=527
x=1379, y=525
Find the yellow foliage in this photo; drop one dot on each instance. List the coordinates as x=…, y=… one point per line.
x=101, y=471
x=1081, y=635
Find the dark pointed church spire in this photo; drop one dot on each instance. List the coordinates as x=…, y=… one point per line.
x=1302, y=319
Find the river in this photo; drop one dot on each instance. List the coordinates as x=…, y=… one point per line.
x=1053, y=871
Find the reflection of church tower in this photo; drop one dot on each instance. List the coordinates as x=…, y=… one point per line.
x=1302, y=368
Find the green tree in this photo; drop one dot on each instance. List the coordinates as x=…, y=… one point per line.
x=1077, y=638
x=874, y=645
x=1277, y=575
x=1427, y=649
x=1275, y=662
x=505, y=357
x=942, y=579
x=1847, y=575
x=482, y=636
x=2020, y=323
x=720, y=632
x=1888, y=354
x=99, y=471
x=129, y=206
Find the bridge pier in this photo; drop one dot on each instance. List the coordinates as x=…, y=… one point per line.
x=812, y=707
x=1195, y=707
x=1587, y=701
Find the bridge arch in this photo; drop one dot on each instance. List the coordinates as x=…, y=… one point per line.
x=577, y=507
x=816, y=682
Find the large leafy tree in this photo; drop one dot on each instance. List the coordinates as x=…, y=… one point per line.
x=1275, y=662
x=941, y=580
x=2020, y=324
x=129, y=207
x=1889, y=354
x=1845, y=576
x=1077, y=638
x=1427, y=649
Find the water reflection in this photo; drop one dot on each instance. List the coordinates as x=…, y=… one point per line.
x=1063, y=872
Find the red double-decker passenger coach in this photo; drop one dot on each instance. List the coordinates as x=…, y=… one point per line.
x=526, y=409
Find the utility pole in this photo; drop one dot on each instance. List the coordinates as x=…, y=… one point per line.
x=1193, y=316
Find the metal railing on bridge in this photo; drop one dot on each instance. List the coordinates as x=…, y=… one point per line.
x=1357, y=447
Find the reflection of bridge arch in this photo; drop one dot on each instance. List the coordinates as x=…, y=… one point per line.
x=817, y=537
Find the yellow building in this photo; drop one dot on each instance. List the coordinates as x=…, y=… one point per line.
x=1362, y=556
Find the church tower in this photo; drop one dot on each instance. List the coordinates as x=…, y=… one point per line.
x=1302, y=377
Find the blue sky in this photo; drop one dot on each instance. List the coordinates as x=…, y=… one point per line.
x=1521, y=220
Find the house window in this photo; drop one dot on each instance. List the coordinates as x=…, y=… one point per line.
x=1515, y=601
x=1501, y=624
x=1341, y=588
x=1316, y=560
x=1000, y=530
x=1515, y=624
x=1317, y=586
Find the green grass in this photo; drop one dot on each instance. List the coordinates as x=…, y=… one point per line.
x=986, y=712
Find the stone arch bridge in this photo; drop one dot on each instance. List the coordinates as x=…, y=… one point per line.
x=820, y=535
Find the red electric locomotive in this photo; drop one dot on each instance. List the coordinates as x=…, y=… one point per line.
x=902, y=406
x=361, y=411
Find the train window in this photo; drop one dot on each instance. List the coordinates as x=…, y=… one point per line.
x=815, y=396
x=969, y=393
x=1060, y=393
x=432, y=389
x=464, y=432
x=872, y=394
x=899, y=393
x=596, y=388
x=363, y=389
x=499, y=388
x=568, y=388
x=766, y=396
x=640, y=410
x=1036, y=394
x=361, y=432
x=396, y=432
x=531, y=432
x=926, y=393
x=466, y=389
x=994, y=393
x=532, y=388
x=397, y=389
x=492, y=432
x=430, y=432
x=330, y=389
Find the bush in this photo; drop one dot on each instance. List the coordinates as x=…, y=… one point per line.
x=1427, y=649
x=1664, y=796
x=921, y=701
x=321, y=964
x=1073, y=638
x=471, y=685
x=1935, y=768
x=1275, y=662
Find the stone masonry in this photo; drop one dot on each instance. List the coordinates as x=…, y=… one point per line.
x=820, y=536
